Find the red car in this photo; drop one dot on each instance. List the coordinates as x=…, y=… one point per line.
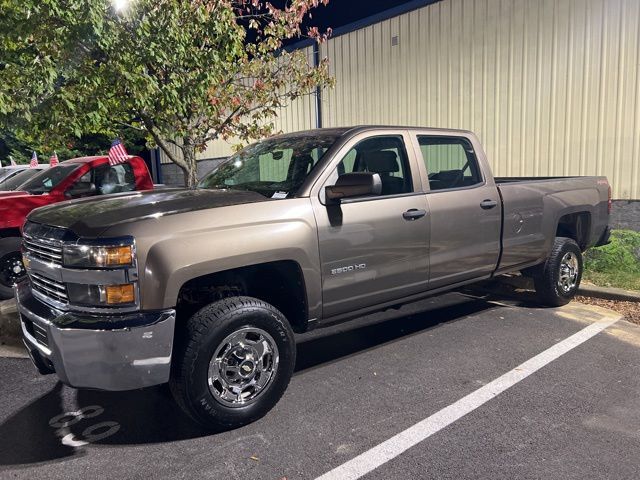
x=76, y=178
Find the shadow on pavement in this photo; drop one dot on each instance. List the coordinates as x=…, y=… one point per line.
x=334, y=345
x=150, y=416
x=26, y=437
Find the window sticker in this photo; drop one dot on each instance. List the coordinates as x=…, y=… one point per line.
x=280, y=195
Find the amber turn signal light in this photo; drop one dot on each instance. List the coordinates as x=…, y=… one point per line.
x=118, y=256
x=117, y=294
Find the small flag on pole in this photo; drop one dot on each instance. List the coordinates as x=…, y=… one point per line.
x=117, y=153
x=34, y=160
x=13, y=162
x=53, y=160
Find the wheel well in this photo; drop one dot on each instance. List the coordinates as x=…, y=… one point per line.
x=576, y=226
x=279, y=283
x=10, y=232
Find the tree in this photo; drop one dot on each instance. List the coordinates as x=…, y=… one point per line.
x=183, y=72
x=12, y=147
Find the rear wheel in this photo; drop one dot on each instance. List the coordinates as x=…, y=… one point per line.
x=559, y=278
x=233, y=362
x=11, y=268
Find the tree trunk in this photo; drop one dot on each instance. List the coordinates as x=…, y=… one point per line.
x=190, y=170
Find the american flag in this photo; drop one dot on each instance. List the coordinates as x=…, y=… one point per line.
x=53, y=160
x=34, y=160
x=117, y=153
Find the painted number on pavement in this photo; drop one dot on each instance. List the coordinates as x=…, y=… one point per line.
x=91, y=434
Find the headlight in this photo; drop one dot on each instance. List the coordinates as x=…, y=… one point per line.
x=101, y=295
x=100, y=257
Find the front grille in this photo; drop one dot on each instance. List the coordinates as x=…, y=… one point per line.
x=48, y=287
x=36, y=331
x=48, y=252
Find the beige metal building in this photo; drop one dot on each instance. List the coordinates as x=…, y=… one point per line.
x=552, y=87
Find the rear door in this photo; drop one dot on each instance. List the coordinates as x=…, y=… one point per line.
x=371, y=251
x=464, y=208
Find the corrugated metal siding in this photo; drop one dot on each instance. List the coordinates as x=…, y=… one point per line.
x=552, y=87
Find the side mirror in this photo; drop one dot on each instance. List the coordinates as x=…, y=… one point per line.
x=356, y=184
x=80, y=190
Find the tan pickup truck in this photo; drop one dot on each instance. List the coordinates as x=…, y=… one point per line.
x=204, y=288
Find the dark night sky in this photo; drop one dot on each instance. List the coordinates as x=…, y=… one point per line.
x=341, y=12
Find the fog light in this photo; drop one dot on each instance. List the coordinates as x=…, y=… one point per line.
x=117, y=294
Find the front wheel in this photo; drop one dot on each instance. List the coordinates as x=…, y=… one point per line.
x=233, y=362
x=559, y=278
x=11, y=268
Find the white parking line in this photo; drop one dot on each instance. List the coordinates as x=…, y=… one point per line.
x=391, y=448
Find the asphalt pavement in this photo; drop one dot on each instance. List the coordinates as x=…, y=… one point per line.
x=357, y=385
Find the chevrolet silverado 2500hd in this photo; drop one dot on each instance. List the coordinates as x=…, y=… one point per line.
x=75, y=178
x=204, y=288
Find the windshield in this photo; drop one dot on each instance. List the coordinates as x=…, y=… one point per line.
x=14, y=182
x=7, y=173
x=275, y=168
x=47, y=179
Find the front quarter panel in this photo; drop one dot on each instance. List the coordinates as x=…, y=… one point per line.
x=174, y=249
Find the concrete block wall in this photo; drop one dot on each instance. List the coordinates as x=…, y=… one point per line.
x=625, y=214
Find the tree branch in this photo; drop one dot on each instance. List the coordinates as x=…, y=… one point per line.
x=150, y=127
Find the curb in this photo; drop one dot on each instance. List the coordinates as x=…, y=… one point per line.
x=9, y=323
x=10, y=331
x=608, y=293
x=8, y=306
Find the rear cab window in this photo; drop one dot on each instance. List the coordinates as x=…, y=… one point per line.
x=451, y=162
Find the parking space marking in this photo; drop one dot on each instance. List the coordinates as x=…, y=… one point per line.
x=391, y=448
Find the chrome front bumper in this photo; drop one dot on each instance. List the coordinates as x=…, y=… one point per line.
x=104, y=352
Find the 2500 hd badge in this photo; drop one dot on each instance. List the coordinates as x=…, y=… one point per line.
x=348, y=268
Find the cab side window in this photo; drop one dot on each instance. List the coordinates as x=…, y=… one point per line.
x=386, y=156
x=450, y=162
x=114, y=178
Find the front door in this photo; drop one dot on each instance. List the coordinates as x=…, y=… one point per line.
x=373, y=249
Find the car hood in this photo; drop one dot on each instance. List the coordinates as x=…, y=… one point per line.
x=90, y=217
x=4, y=195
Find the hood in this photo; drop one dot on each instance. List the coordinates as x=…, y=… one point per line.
x=4, y=195
x=15, y=206
x=90, y=217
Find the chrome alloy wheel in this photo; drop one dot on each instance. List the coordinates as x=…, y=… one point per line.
x=243, y=366
x=568, y=275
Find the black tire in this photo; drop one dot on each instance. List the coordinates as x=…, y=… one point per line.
x=199, y=341
x=9, y=254
x=549, y=290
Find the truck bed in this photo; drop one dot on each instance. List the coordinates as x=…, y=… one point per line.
x=499, y=180
x=533, y=207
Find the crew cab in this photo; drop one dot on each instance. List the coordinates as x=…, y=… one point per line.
x=204, y=288
x=76, y=178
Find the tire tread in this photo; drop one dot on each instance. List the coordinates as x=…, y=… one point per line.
x=189, y=346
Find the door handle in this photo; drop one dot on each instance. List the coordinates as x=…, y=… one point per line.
x=487, y=204
x=414, y=214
